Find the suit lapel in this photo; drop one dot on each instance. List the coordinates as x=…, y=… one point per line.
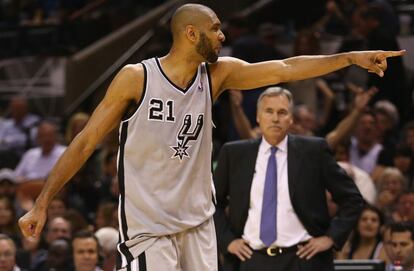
x=294, y=165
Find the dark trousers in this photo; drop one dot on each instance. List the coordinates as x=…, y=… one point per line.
x=288, y=262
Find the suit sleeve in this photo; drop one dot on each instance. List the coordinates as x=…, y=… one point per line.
x=345, y=194
x=221, y=220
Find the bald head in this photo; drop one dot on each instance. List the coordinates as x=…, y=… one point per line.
x=189, y=14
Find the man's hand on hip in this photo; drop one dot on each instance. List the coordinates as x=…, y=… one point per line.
x=314, y=246
x=240, y=248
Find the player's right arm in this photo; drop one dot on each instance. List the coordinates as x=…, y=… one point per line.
x=125, y=88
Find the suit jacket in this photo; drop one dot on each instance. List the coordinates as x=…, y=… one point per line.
x=312, y=169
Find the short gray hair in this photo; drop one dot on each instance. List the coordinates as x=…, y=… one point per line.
x=274, y=92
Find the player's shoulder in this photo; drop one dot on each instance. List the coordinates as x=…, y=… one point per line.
x=224, y=61
x=133, y=70
x=223, y=64
x=126, y=81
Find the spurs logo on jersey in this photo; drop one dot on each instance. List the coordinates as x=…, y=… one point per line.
x=184, y=136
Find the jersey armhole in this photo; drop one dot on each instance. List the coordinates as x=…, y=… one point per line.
x=209, y=83
x=134, y=106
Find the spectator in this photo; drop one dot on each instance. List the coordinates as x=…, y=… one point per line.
x=305, y=118
x=17, y=132
x=58, y=227
x=59, y=257
x=366, y=240
x=390, y=186
x=405, y=207
x=364, y=149
x=32, y=253
x=8, y=220
x=7, y=254
x=85, y=247
x=76, y=123
x=404, y=160
x=56, y=208
x=37, y=162
x=387, y=120
x=402, y=236
x=108, y=239
x=77, y=221
x=7, y=183
x=104, y=215
x=387, y=242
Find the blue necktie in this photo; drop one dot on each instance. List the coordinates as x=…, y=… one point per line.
x=268, y=226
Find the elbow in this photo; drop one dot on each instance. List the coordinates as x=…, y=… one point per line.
x=284, y=73
x=83, y=147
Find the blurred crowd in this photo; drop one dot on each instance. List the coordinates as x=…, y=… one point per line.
x=368, y=123
x=15, y=13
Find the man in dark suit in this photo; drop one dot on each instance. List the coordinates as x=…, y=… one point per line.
x=271, y=204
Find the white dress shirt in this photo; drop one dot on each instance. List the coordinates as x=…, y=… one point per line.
x=290, y=230
x=35, y=165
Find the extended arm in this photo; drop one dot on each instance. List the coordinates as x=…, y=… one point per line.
x=233, y=73
x=106, y=117
x=345, y=127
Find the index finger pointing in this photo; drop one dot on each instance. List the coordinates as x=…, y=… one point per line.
x=394, y=53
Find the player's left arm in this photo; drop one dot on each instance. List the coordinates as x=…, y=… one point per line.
x=233, y=73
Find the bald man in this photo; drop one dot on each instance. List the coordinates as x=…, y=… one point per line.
x=163, y=107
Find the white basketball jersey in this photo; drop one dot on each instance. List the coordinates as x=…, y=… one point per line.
x=164, y=160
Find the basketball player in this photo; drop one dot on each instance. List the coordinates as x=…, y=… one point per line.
x=166, y=205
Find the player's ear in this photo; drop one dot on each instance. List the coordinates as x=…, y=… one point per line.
x=191, y=33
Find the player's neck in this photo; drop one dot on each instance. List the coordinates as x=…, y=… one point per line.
x=180, y=69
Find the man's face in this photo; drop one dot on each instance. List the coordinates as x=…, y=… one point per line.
x=7, y=255
x=274, y=117
x=211, y=38
x=46, y=137
x=59, y=228
x=366, y=129
x=7, y=189
x=56, y=208
x=405, y=206
x=18, y=109
x=392, y=184
x=85, y=254
x=59, y=255
x=403, y=247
